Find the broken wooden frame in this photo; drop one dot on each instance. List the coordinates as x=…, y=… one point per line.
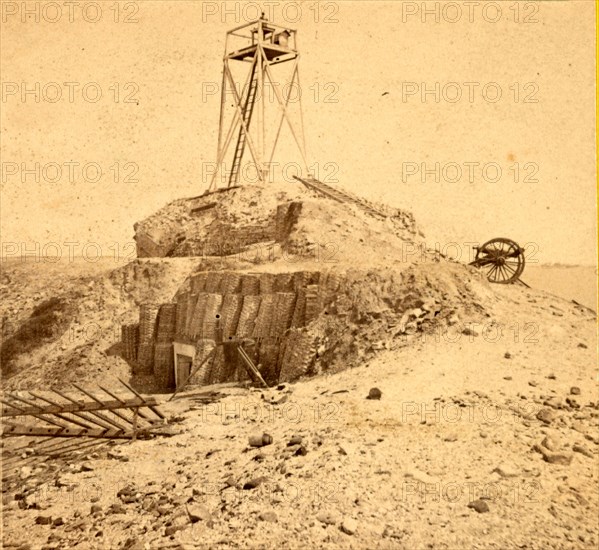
x=63, y=415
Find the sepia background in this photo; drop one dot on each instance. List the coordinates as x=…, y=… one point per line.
x=359, y=63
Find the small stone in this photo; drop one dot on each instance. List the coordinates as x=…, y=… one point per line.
x=574, y=390
x=253, y=483
x=582, y=450
x=374, y=393
x=557, y=458
x=95, y=509
x=198, y=512
x=349, y=526
x=507, y=355
x=554, y=403
x=479, y=505
x=507, y=470
x=43, y=520
x=507, y=377
x=582, y=345
x=563, y=459
x=551, y=376
x=551, y=443
x=260, y=440
x=172, y=529
x=230, y=481
x=116, y=509
x=327, y=518
x=58, y=522
x=25, y=472
x=470, y=331
x=572, y=403
x=532, y=383
x=295, y=440
x=269, y=516
x=301, y=451
x=546, y=415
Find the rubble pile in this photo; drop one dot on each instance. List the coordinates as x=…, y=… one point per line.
x=227, y=222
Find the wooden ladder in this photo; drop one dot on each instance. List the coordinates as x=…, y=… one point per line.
x=248, y=109
x=341, y=196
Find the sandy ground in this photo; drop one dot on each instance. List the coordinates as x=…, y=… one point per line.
x=502, y=418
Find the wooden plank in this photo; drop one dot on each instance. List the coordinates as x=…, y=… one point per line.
x=65, y=432
x=114, y=396
x=92, y=406
x=114, y=411
x=94, y=421
x=16, y=409
x=250, y=367
x=143, y=399
x=105, y=421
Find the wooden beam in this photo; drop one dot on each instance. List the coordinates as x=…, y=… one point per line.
x=66, y=432
x=52, y=409
x=284, y=109
x=250, y=367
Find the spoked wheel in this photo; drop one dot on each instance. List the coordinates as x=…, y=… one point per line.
x=501, y=259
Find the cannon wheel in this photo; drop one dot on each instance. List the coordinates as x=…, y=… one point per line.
x=501, y=259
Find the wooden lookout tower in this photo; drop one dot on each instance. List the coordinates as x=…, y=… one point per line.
x=246, y=129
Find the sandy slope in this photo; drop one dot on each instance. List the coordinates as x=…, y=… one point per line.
x=459, y=420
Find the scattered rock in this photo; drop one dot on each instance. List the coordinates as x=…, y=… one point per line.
x=295, y=440
x=479, y=505
x=260, y=440
x=574, y=390
x=507, y=470
x=253, y=483
x=546, y=415
x=301, y=451
x=349, y=526
x=43, y=520
x=327, y=518
x=198, y=512
x=551, y=443
x=25, y=472
x=471, y=331
x=563, y=459
x=269, y=516
x=582, y=450
x=345, y=448
x=116, y=509
x=554, y=403
x=374, y=393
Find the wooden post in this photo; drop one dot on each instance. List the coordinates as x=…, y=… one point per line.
x=134, y=423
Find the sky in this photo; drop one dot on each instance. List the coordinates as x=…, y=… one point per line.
x=479, y=121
